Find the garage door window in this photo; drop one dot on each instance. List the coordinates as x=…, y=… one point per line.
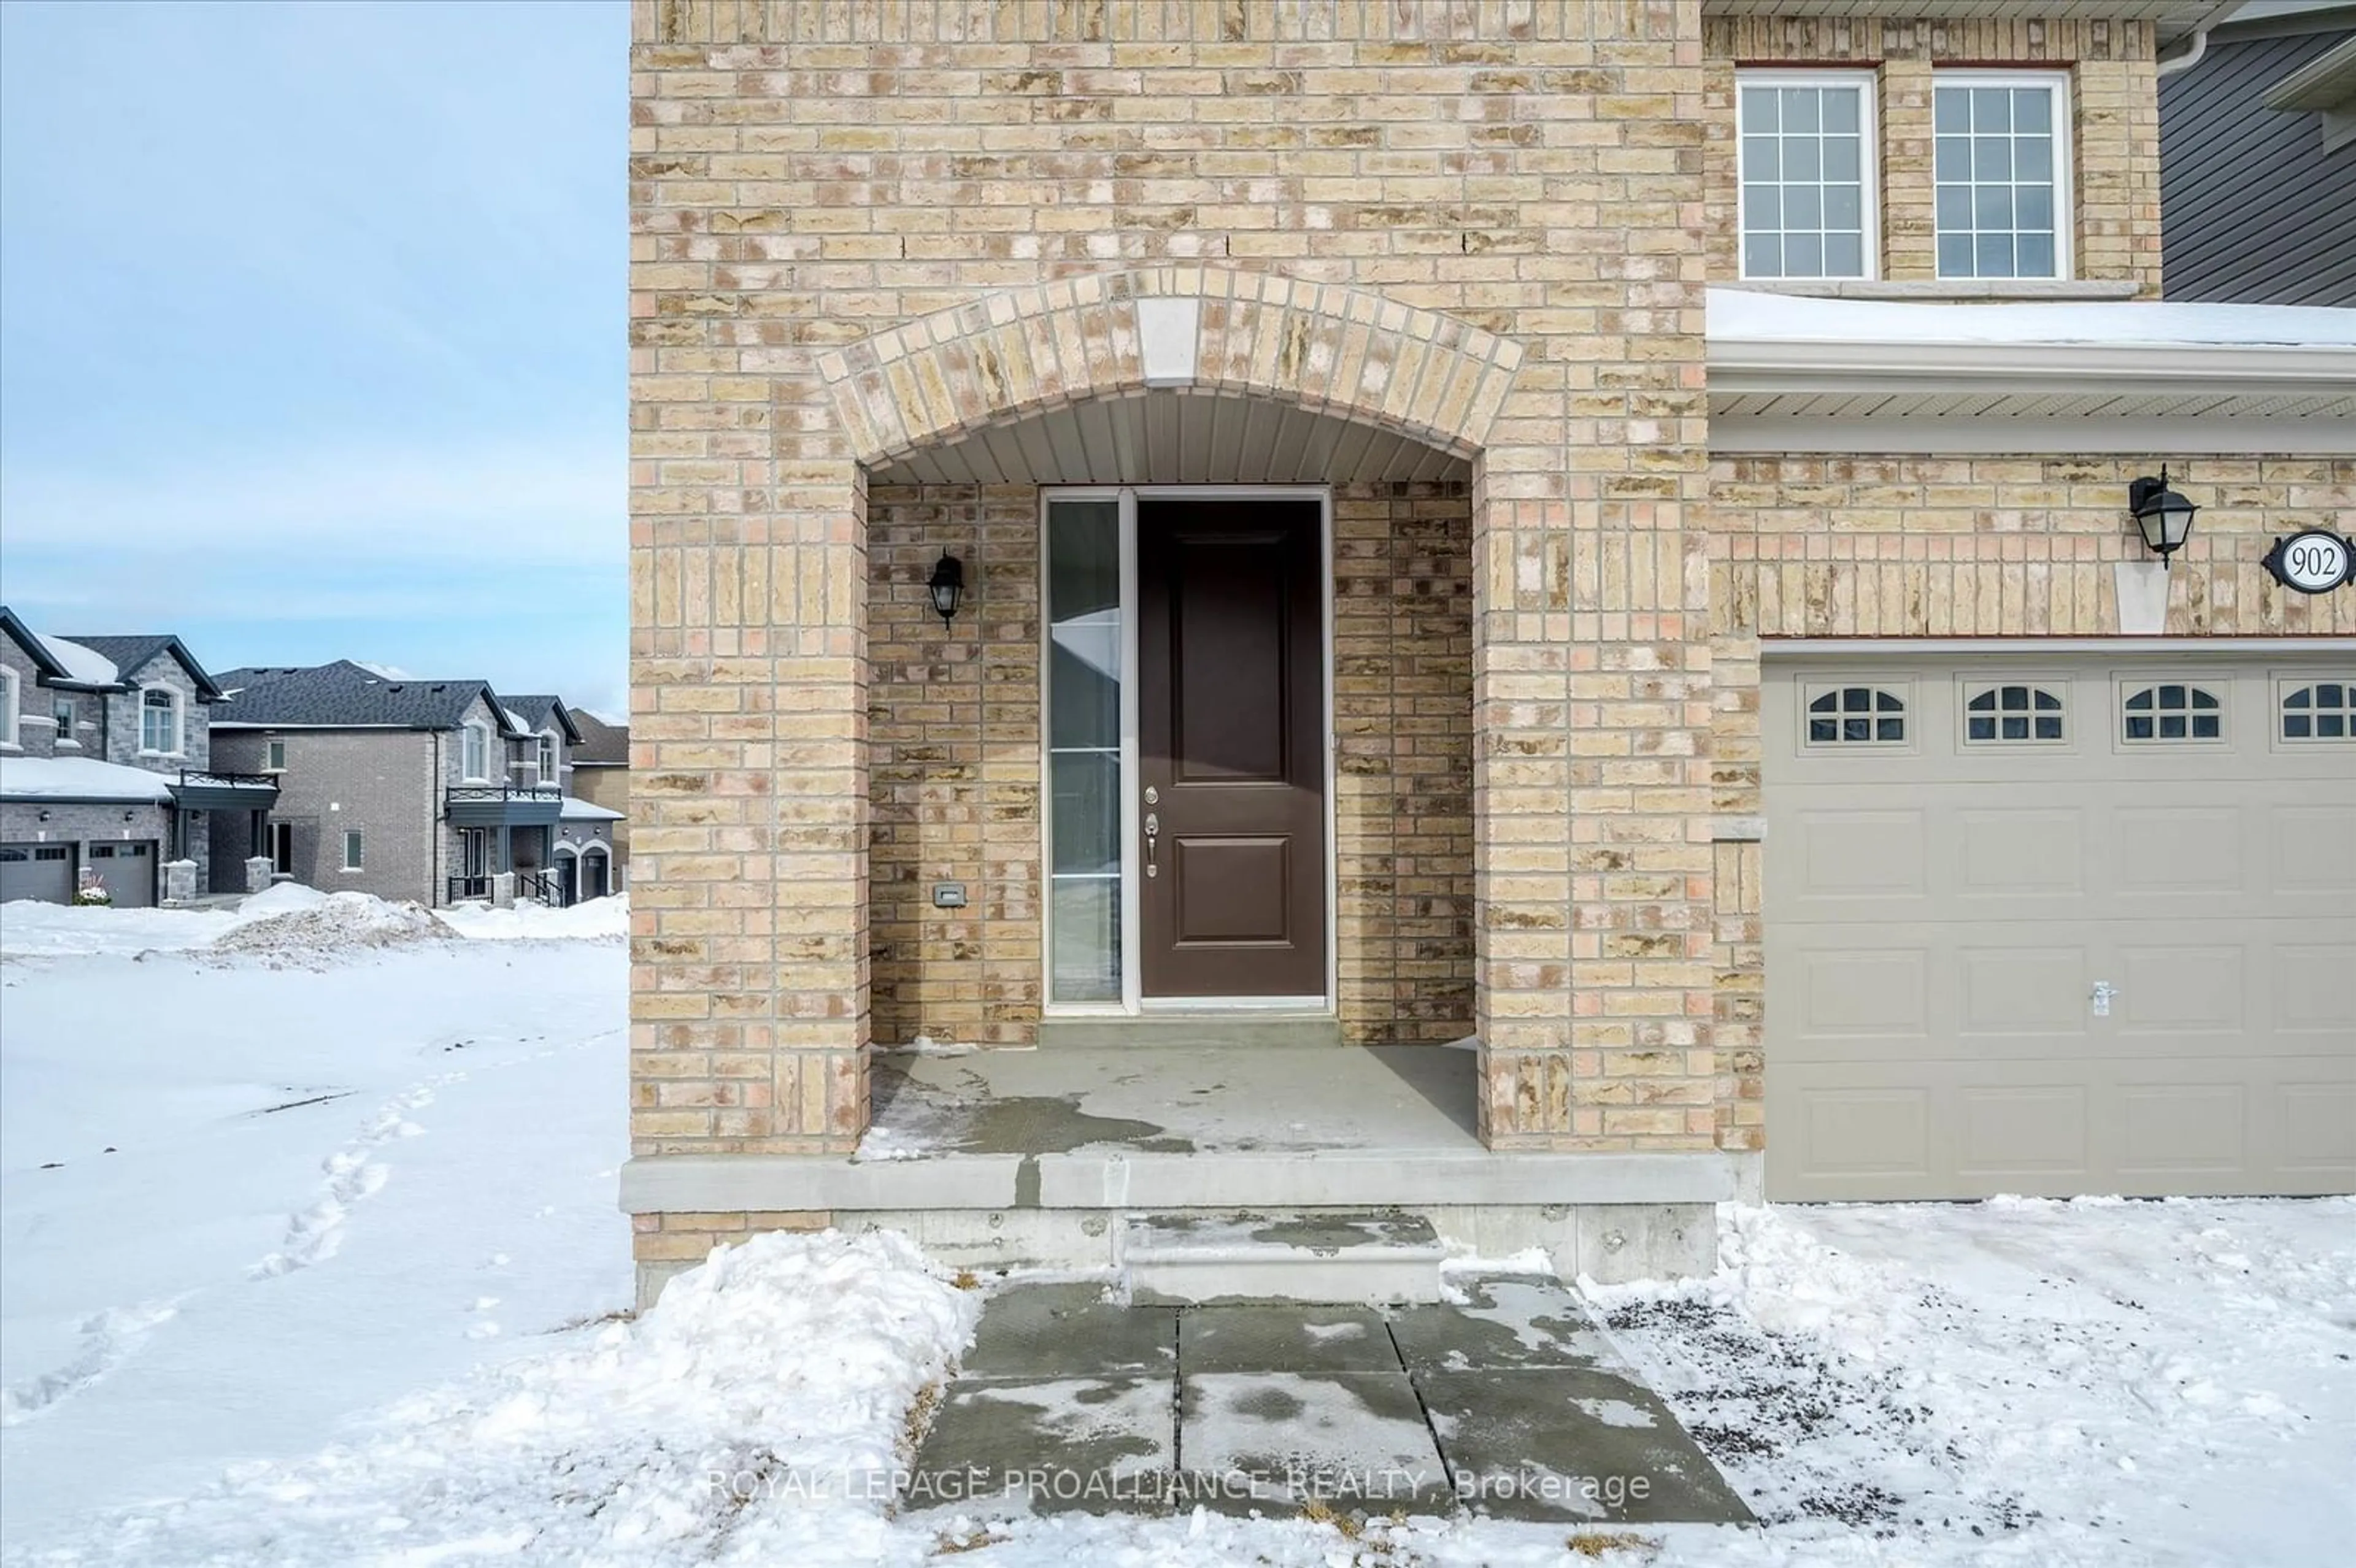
x=2324, y=711
x=2172, y=710
x=1998, y=715
x=1855, y=716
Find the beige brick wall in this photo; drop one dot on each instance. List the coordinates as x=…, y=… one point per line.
x=2115, y=132
x=954, y=730
x=809, y=179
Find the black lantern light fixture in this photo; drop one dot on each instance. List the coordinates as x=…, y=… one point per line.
x=2164, y=515
x=947, y=586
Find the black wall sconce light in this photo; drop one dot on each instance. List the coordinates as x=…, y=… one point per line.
x=45, y=816
x=2164, y=515
x=947, y=586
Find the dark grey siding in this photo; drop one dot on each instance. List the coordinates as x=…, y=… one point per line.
x=2251, y=208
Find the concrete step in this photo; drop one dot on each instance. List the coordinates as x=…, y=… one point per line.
x=1347, y=1257
x=1257, y=1030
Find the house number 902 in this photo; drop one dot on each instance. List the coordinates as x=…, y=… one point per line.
x=2314, y=561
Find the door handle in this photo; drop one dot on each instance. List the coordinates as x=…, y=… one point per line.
x=2104, y=994
x=1153, y=838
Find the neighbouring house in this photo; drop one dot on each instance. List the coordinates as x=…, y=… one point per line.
x=2257, y=157
x=601, y=776
x=579, y=852
x=425, y=790
x=1526, y=614
x=107, y=779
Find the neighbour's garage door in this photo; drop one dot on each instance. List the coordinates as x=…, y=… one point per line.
x=2062, y=926
x=127, y=872
x=43, y=872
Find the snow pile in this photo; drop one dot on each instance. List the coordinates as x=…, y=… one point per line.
x=595, y=920
x=1757, y=317
x=2065, y=1378
x=330, y=924
x=758, y=1413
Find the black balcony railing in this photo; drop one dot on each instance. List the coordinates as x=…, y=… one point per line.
x=495, y=793
x=530, y=887
x=222, y=777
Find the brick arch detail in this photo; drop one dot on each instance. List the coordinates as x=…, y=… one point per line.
x=1327, y=347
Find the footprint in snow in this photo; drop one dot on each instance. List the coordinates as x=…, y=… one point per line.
x=109, y=1339
x=316, y=1233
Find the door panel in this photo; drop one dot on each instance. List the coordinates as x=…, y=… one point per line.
x=1231, y=747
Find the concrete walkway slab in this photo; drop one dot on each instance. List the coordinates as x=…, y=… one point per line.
x=1049, y=1445
x=1071, y=1330
x=1284, y=1337
x=1349, y=1439
x=1566, y=1443
x=1507, y=1320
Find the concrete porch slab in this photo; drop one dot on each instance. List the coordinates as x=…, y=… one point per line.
x=1285, y=1338
x=1048, y=1445
x=1506, y=1321
x=1353, y=1440
x=1571, y=1444
x=1066, y=1330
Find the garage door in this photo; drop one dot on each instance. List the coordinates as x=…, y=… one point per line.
x=43, y=872
x=127, y=872
x=2060, y=927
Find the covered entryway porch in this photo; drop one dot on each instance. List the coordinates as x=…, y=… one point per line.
x=1483, y=785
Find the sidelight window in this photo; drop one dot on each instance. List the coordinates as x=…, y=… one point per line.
x=1085, y=676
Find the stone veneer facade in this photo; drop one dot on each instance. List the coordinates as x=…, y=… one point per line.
x=861, y=229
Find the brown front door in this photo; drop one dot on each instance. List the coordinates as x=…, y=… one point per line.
x=1231, y=748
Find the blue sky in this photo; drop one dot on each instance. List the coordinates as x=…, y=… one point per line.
x=312, y=332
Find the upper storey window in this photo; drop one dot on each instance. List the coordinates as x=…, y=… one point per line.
x=2001, y=160
x=1806, y=173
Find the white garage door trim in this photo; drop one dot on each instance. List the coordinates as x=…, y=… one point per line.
x=1942, y=897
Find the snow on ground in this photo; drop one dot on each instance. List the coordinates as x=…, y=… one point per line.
x=319, y=1263
x=606, y=918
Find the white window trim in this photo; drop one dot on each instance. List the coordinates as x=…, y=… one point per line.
x=271, y=749
x=548, y=757
x=468, y=734
x=179, y=747
x=2065, y=165
x=354, y=839
x=10, y=683
x=1866, y=81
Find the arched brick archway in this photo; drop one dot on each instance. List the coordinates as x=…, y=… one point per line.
x=1326, y=347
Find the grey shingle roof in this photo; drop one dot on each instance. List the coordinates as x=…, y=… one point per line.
x=602, y=744
x=344, y=693
x=127, y=653
x=531, y=707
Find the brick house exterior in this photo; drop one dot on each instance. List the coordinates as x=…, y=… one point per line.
x=898, y=272
x=105, y=765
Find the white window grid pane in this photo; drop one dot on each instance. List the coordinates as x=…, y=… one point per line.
x=1855, y=713
x=1997, y=164
x=2014, y=713
x=2321, y=711
x=1806, y=159
x=2170, y=710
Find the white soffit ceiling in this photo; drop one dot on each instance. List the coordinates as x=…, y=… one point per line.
x=1167, y=437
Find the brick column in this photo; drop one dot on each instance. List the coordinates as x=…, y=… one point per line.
x=1591, y=658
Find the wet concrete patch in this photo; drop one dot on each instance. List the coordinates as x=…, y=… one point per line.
x=1353, y=1440
x=940, y=1109
x=1066, y=1330
x=1284, y=1337
x=1505, y=1321
x=1048, y=1445
x=1566, y=1443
